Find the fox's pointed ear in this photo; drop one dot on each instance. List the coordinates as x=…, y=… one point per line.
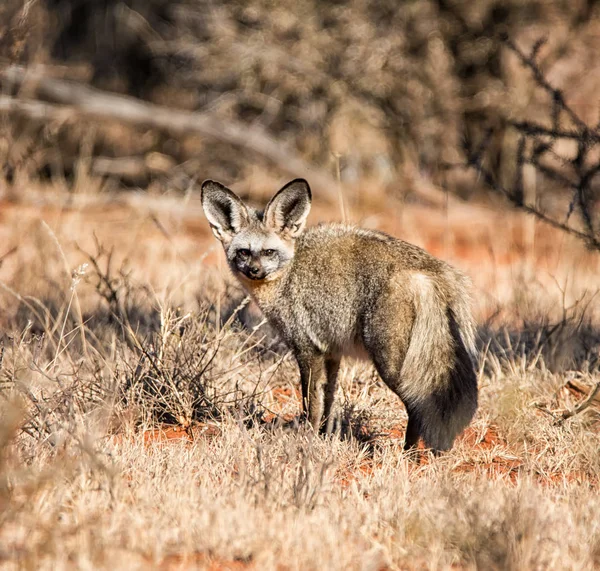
x=225, y=211
x=287, y=210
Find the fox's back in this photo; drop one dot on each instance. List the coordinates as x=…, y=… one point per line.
x=349, y=245
x=332, y=258
x=341, y=274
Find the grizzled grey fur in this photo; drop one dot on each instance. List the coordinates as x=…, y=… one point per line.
x=336, y=290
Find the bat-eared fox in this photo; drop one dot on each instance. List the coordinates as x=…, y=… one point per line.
x=335, y=290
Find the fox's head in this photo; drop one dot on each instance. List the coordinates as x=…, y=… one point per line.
x=257, y=244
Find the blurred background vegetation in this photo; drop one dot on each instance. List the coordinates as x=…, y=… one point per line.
x=376, y=93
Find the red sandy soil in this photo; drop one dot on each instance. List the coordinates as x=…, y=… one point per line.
x=496, y=247
x=502, y=464
x=169, y=434
x=496, y=467
x=489, y=456
x=489, y=453
x=197, y=560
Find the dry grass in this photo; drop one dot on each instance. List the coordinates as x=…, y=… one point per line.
x=149, y=419
x=141, y=430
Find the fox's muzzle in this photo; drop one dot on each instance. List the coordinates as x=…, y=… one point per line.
x=255, y=272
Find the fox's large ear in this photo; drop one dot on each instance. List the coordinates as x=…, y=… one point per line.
x=287, y=210
x=225, y=211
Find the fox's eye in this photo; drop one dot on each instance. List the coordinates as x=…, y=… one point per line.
x=268, y=253
x=244, y=253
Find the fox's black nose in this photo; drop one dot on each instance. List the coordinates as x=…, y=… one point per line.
x=254, y=270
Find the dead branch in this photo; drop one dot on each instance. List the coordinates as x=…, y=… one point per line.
x=66, y=99
x=581, y=388
x=580, y=407
x=560, y=416
x=473, y=160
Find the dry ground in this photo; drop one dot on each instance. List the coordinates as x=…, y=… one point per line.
x=141, y=431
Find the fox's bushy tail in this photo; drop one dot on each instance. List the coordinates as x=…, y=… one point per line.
x=439, y=380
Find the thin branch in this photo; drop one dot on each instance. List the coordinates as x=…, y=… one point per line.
x=529, y=62
x=535, y=129
x=475, y=161
x=580, y=407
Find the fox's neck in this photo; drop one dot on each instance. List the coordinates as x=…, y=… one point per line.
x=265, y=292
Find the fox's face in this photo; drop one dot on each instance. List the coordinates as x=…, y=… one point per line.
x=257, y=244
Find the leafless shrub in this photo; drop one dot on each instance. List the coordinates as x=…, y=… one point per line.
x=567, y=339
x=574, y=175
x=125, y=303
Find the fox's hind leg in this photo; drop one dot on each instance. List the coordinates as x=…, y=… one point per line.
x=387, y=344
x=414, y=427
x=388, y=362
x=413, y=430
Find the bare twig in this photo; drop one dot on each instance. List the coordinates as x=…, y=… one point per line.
x=580, y=407
x=529, y=62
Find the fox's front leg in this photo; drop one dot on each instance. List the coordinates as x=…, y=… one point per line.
x=332, y=366
x=313, y=377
